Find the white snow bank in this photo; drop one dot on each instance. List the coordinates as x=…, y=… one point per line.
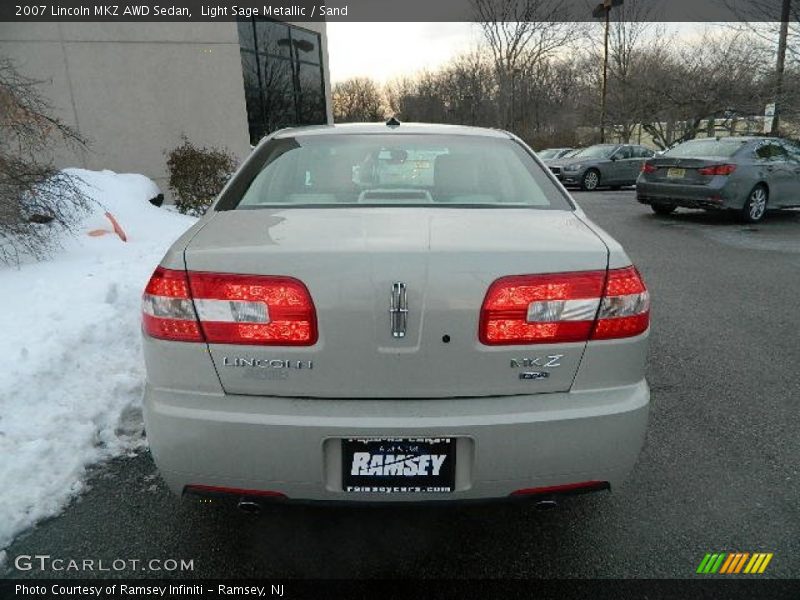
x=71, y=382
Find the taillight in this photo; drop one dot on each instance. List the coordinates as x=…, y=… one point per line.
x=649, y=168
x=254, y=309
x=564, y=307
x=717, y=170
x=230, y=309
x=167, y=310
x=625, y=308
x=567, y=488
x=528, y=309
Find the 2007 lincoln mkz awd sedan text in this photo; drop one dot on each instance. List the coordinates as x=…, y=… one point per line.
x=394, y=312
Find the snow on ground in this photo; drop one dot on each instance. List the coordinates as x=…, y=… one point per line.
x=72, y=378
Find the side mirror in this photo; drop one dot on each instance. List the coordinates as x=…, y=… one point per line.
x=613, y=157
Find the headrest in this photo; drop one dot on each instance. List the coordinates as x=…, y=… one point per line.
x=456, y=173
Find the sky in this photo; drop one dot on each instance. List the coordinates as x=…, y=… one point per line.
x=384, y=51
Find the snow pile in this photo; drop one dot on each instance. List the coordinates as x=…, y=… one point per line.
x=71, y=383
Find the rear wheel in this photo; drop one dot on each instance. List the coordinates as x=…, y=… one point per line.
x=755, y=207
x=590, y=181
x=663, y=208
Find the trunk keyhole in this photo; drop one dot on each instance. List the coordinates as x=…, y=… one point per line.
x=446, y=339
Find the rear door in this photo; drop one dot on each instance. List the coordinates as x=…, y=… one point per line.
x=621, y=165
x=793, y=165
x=630, y=164
x=778, y=171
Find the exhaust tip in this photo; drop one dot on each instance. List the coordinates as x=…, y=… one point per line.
x=548, y=504
x=250, y=507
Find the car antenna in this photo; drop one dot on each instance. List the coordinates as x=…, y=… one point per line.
x=393, y=122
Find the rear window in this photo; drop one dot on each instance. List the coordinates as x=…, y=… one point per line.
x=396, y=169
x=706, y=148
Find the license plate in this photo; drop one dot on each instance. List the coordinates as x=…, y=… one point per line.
x=399, y=465
x=676, y=173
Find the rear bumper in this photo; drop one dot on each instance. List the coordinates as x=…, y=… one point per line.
x=292, y=446
x=713, y=196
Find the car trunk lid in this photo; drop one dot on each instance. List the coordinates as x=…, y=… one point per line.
x=351, y=259
x=682, y=170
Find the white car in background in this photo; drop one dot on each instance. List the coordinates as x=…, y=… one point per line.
x=394, y=312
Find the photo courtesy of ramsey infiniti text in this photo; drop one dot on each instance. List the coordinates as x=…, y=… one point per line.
x=394, y=312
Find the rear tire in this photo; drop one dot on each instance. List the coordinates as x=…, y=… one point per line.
x=755, y=207
x=663, y=208
x=590, y=180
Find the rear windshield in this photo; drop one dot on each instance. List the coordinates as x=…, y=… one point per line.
x=706, y=148
x=396, y=169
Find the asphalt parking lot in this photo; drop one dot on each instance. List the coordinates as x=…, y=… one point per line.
x=719, y=471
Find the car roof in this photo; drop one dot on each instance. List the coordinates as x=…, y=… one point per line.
x=734, y=138
x=403, y=128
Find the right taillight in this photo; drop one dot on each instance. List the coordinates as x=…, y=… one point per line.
x=564, y=307
x=625, y=307
x=225, y=308
x=717, y=170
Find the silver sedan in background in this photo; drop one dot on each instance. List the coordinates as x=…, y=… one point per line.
x=612, y=165
x=749, y=175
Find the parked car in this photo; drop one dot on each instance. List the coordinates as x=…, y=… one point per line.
x=749, y=175
x=549, y=154
x=411, y=312
x=612, y=165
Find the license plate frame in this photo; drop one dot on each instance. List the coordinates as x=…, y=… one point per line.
x=406, y=465
x=676, y=173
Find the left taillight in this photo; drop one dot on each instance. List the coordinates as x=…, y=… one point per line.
x=225, y=308
x=167, y=309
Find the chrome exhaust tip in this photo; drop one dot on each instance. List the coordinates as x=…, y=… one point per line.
x=250, y=507
x=546, y=504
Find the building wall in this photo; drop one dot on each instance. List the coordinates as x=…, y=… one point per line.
x=133, y=89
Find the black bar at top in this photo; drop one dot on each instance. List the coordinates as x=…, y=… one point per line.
x=385, y=10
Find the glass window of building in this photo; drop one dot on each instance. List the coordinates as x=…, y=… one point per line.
x=283, y=76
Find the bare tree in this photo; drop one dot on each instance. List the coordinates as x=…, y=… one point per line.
x=463, y=91
x=632, y=34
x=36, y=199
x=358, y=99
x=519, y=34
x=711, y=81
x=762, y=19
x=782, y=26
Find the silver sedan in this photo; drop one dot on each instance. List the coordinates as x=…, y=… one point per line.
x=612, y=165
x=749, y=175
x=394, y=312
